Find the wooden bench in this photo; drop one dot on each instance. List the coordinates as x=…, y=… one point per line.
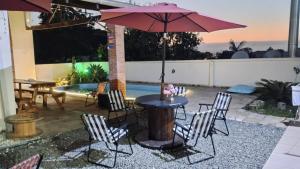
x=24, y=125
x=55, y=95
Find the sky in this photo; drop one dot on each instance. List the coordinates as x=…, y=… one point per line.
x=266, y=20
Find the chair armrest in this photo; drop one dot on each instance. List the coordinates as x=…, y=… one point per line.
x=205, y=104
x=222, y=109
x=123, y=126
x=182, y=126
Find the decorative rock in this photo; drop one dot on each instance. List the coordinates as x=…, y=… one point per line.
x=281, y=106
x=257, y=103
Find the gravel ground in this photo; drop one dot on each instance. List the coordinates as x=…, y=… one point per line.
x=247, y=146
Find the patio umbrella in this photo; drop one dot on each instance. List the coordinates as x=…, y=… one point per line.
x=26, y=5
x=164, y=17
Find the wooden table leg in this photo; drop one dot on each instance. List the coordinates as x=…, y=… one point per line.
x=45, y=98
x=20, y=90
x=35, y=91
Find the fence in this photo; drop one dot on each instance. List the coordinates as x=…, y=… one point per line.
x=227, y=72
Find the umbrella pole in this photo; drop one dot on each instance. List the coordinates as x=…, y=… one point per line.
x=162, y=84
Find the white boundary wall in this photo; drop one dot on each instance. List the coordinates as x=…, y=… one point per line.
x=227, y=72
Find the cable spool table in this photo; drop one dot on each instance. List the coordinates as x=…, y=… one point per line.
x=24, y=125
x=160, y=121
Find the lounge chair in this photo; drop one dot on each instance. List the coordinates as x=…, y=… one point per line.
x=33, y=162
x=202, y=124
x=94, y=94
x=100, y=132
x=119, y=104
x=180, y=91
x=221, y=104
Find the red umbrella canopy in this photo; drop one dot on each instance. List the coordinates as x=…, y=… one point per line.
x=164, y=17
x=26, y=5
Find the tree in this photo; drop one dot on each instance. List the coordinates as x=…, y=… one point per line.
x=141, y=46
x=59, y=45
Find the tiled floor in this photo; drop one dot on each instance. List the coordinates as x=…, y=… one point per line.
x=286, y=154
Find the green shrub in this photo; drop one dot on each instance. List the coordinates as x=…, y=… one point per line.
x=93, y=74
x=96, y=74
x=275, y=91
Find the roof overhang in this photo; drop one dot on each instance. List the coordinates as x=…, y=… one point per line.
x=93, y=4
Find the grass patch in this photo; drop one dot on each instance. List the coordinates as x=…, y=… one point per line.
x=270, y=108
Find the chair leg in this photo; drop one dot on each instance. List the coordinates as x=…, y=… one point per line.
x=176, y=113
x=213, y=145
x=183, y=108
x=130, y=144
x=86, y=100
x=116, y=153
x=103, y=165
x=227, y=134
x=226, y=126
x=89, y=151
x=200, y=106
x=173, y=140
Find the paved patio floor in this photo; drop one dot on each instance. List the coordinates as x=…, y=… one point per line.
x=57, y=121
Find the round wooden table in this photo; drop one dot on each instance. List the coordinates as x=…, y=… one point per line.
x=160, y=121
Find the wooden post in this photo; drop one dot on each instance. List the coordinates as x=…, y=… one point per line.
x=116, y=58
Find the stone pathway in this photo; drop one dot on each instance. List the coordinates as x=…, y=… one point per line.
x=287, y=152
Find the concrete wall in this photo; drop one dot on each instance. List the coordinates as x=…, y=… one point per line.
x=227, y=72
x=199, y=72
x=22, y=46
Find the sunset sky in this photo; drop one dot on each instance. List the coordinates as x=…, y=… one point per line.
x=267, y=20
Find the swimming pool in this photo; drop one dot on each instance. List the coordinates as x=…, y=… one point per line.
x=133, y=90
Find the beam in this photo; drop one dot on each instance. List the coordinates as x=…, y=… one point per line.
x=63, y=24
x=294, y=28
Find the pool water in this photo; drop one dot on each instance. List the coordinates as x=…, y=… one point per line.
x=133, y=90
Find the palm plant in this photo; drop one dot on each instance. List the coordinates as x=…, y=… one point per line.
x=96, y=74
x=237, y=47
x=275, y=91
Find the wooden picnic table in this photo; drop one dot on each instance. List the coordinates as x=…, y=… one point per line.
x=38, y=87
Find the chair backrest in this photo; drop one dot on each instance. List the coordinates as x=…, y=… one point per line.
x=97, y=128
x=222, y=101
x=180, y=90
x=31, y=163
x=116, y=100
x=101, y=87
x=202, y=124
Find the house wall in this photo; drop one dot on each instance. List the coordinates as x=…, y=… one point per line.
x=7, y=100
x=22, y=46
x=197, y=72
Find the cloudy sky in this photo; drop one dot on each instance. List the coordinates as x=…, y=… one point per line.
x=267, y=20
